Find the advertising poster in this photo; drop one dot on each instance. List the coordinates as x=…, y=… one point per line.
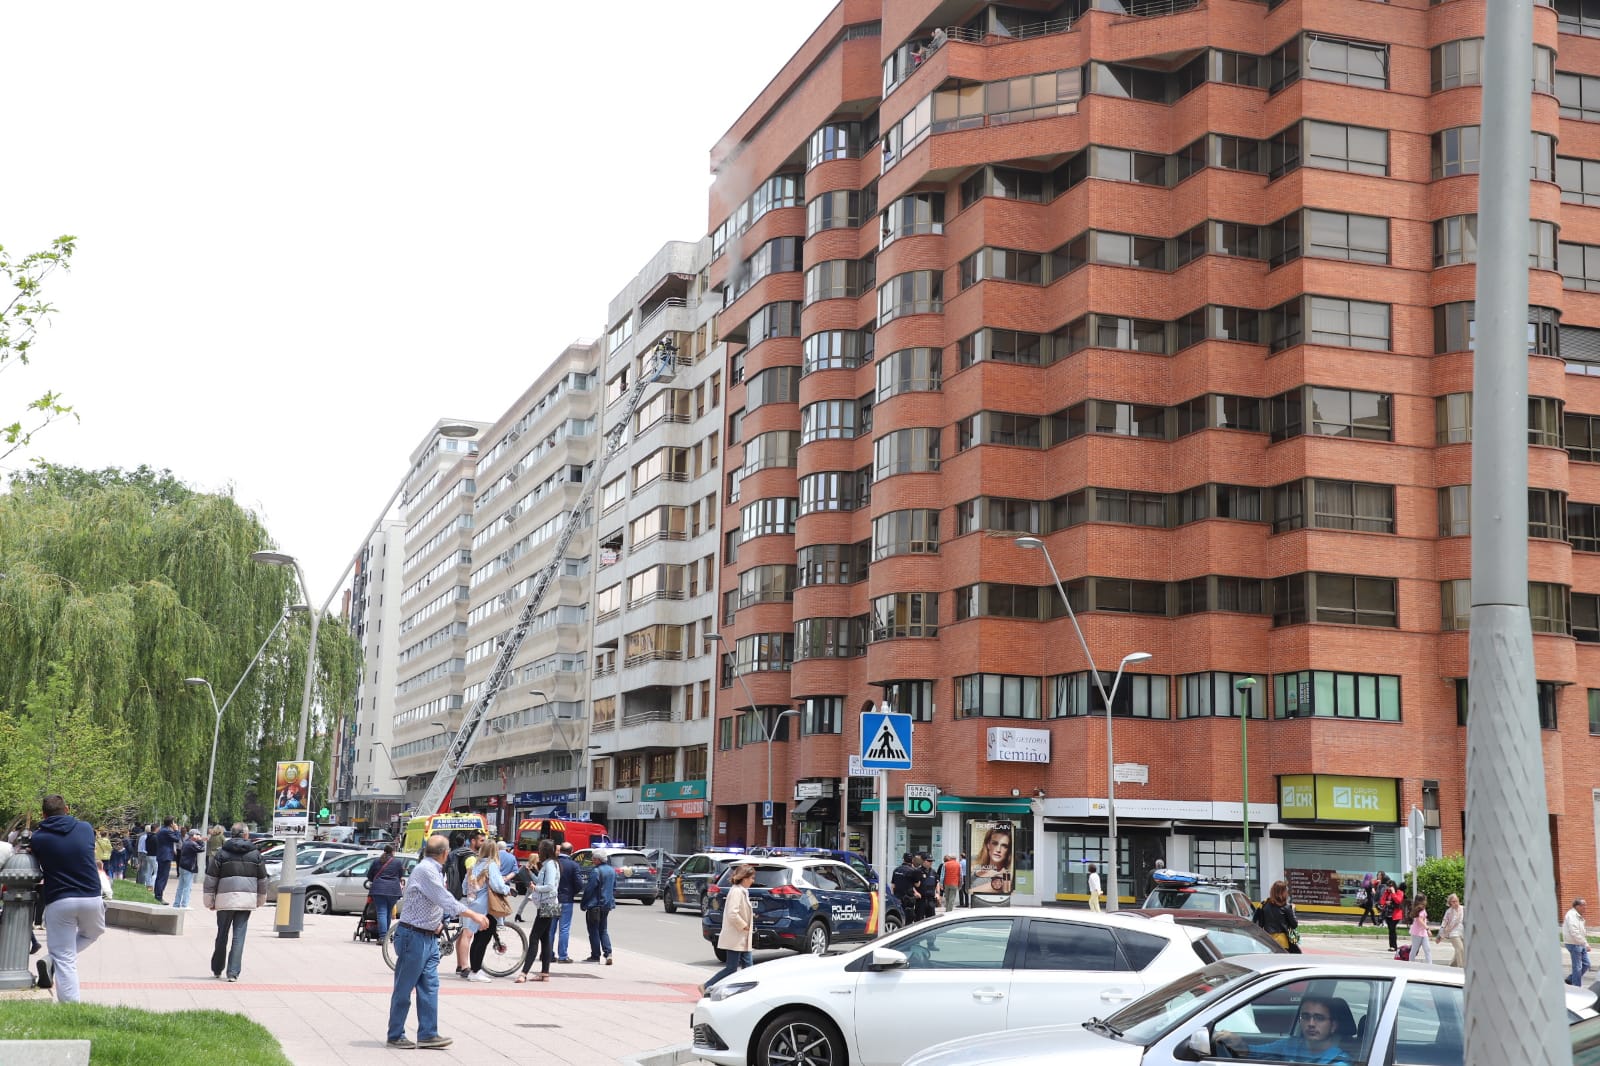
x=291, y=799
x=993, y=869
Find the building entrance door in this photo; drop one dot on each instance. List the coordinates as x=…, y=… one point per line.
x=1147, y=851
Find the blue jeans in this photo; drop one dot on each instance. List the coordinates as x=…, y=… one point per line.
x=599, y=933
x=565, y=936
x=185, y=883
x=737, y=960
x=384, y=905
x=235, y=922
x=1580, y=963
x=416, y=967
x=147, y=872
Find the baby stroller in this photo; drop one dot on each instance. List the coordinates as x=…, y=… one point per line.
x=367, y=925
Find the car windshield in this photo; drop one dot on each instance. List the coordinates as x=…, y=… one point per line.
x=1144, y=1021
x=1229, y=939
x=1196, y=899
x=627, y=858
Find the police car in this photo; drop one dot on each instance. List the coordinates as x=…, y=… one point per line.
x=686, y=885
x=639, y=881
x=855, y=860
x=806, y=905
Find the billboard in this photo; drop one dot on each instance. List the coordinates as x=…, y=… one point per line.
x=993, y=861
x=291, y=799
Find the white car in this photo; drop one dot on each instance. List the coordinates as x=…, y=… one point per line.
x=974, y=971
x=1278, y=1008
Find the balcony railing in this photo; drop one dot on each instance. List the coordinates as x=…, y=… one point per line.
x=654, y=714
x=652, y=656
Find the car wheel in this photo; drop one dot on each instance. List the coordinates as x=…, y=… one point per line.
x=817, y=938
x=648, y=900
x=722, y=954
x=669, y=906
x=800, y=1037
x=317, y=902
x=892, y=921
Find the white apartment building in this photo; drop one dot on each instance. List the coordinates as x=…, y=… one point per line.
x=368, y=793
x=655, y=586
x=430, y=640
x=530, y=473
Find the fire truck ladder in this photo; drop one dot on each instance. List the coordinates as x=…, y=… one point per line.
x=662, y=369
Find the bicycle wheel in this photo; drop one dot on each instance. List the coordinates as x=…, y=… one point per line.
x=388, y=944
x=507, y=948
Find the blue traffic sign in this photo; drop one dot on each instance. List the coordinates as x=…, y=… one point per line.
x=766, y=809
x=885, y=741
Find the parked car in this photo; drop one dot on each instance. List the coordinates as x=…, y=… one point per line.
x=1229, y=933
x=1378, y=1012
x=1202, y=896
x=340, y=886
x=306, y=856
x=686, y=887
x=337, y=860
x=974, y=971
x=804, y=905
x=639, y=884
x=665, y=863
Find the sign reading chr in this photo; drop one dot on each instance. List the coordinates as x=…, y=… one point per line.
x=1330, y=798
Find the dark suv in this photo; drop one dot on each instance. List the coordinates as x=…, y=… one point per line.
x=687, y=885
x=805, y=904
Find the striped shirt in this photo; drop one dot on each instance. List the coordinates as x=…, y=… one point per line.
x=426, y=899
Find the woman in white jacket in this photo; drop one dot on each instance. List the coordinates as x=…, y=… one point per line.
x=737, y=937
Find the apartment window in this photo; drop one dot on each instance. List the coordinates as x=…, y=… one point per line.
x=1579, y=95
x=779, y=448
x=1455, y=605
x=1216, y=323
x=917, y=213
x=838, y=140
x=1004, y=264
x=1348, y=62
x=773, y=583
x=1329, y=146
x=1455, y=151
x=1582, y=434
x=1212, y=694
x=1327, y=694
x=1351, y=505
x=1112, y=331
x=905, y=614
x=1455, y=329
x=839, y=279
x=1580, y=267
x=1333, y=413
x=1578, y=16
x=1586, y=617
x=821, y=714
x=999, y=427
x=1217, y=411
x=1545, y=421
x=780, y=384
x=768, y=517
x=1218, y=592
x=1122, y=164
x=1007, y=182
x=1138, y=696
x=772, y=320
x=997, y=696
x=999, y=346
x=840, y=349
x=833, y=210
x=1545, y=693
x=910, y=697
x=1239, y=502
x=1119, y=594
x=997, y=513
x=1334, y=598
x=906, y=451
x=1455, y=511
x=1594, y=712
x=1127, y=249
x=1457, y=63
x=763, y=651
x=832, y=564
x=828, y=420
x=830, y=638
x=1579, y=180
x=1358, y=238
x=1547, y=607
x=1213, y=237
x=664, y=581
x=1111, y=417
x=835, y=490
x=917, y=292
x=912, y=532
x=1583, y=525
x=909, y=370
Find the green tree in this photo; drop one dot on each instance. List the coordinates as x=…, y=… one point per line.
x=54, y=745
x=1440, y=877
x=20, y=319
x=124, y=583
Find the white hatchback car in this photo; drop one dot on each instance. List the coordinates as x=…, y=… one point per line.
x=975, y=971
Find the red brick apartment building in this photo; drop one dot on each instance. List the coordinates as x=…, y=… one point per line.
x=1185, y=290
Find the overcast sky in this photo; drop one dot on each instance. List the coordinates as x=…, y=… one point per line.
x=308, y=230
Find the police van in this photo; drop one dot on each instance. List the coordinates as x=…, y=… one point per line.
x=805, y=904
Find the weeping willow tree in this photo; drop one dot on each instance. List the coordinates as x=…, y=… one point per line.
x=114, y=587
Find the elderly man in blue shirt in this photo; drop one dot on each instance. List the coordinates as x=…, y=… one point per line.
x=416, y=945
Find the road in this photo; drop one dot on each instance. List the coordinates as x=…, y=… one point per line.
x=672, y=937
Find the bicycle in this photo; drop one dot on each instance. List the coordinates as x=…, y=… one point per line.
x=507, y=947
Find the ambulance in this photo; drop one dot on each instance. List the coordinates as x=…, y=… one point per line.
x=418, y=830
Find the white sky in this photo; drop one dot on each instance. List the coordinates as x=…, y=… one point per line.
x=308, y=230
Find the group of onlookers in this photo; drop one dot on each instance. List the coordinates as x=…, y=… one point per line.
x=147, y=854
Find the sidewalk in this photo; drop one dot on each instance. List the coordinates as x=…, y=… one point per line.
x=326, y=997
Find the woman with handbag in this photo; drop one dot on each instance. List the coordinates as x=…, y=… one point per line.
x=1392, y=905
x=1421, y=936
x=542, y=942
x=737, y=937
x=1277, y=919
x=485, y=892
x=386, y=886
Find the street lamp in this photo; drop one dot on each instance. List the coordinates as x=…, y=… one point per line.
x=1243, y=687
x=1113, y=858
x=771, y=730
x=216, y=729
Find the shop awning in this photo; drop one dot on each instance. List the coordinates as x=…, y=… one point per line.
x=803, y=808
x=1318, y=832
x=962, y=804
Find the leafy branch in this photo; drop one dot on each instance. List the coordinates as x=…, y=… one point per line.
x=20, y=320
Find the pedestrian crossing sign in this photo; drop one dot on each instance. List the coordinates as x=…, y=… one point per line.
x=885, y=741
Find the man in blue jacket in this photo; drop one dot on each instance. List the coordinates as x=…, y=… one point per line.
x=568, y=889
x=599, y=898
x=168, y=840
x=74, y=912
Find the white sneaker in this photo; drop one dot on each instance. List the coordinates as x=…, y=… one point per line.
x=481, y=978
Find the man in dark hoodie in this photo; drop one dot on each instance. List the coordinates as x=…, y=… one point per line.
x=74, y=912
x=168, y=840
x=236, y=884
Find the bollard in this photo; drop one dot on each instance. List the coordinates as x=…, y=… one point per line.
x=20, y=881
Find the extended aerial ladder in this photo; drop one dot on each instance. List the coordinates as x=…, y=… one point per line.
x=661, y=370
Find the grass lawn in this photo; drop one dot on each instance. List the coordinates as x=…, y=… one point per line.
x=1342, y=929
x=122, y=1036
x=131, y=892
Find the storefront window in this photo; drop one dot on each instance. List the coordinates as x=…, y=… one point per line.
x=1327, y=872
x=1223, y=859
x=1074, y=853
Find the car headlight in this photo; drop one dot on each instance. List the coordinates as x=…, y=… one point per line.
x=721, y=992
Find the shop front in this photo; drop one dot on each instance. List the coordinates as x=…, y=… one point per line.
x=670, y=815
x=1333, y=830
x=996, y=834
x=816, y=812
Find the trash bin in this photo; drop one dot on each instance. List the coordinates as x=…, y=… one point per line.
x=20, y=882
